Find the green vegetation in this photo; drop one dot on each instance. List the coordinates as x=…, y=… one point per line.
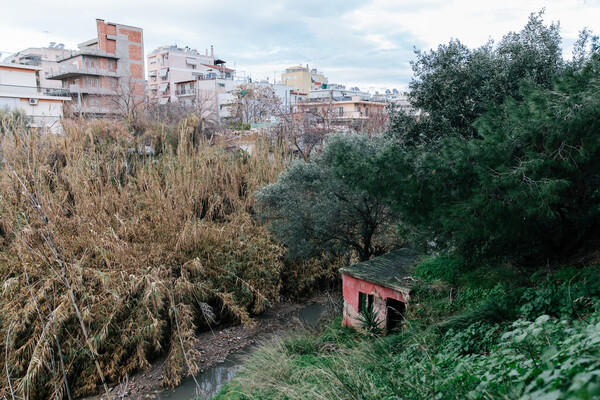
x=239, y=126
x=117, y=248
x=499, y=177
x=312, y=212
x=512, y=173
x=476, y=353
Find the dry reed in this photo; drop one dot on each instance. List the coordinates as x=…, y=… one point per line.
x=111, y=256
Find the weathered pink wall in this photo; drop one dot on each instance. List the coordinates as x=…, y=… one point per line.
x=351, y=286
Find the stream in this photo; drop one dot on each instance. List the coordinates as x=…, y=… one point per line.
x=213, y=379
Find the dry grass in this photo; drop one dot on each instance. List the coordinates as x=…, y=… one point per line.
x=109, y=259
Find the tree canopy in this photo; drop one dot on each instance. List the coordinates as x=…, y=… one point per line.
x=314, y=213
x=505, y=161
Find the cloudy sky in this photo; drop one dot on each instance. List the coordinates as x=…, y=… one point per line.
x=364, y=43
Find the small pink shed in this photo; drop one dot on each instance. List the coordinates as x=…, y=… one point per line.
x=382, y=283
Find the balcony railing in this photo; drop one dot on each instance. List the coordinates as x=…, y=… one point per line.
x=33, y=91
x=185, y=92
x=86, y=52
x=92, y=90
x=68, y=71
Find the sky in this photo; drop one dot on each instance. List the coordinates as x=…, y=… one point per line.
x=363, y=43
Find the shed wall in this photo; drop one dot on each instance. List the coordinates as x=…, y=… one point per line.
x=352, y=286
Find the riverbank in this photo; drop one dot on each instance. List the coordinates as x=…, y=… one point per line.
x=216, y=345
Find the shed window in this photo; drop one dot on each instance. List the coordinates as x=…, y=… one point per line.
x=365, y=301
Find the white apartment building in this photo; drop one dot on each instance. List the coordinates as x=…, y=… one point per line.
x=19, y=90
x=44, y=57
x=174, y=74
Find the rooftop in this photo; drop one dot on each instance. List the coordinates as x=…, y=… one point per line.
x=388, y=270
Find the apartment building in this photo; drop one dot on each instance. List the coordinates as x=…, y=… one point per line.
x=176, y=74
x=303, y=79
x=340, y=106
x=400, y=100
x=46, y=58
x=105, y=76
x=19, y=90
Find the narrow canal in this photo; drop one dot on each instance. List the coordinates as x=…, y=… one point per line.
x=213, y=379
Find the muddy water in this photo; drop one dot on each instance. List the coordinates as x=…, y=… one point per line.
x=213, y=379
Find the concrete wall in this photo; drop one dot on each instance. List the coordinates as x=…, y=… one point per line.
x=18, y=84
x=351, y=288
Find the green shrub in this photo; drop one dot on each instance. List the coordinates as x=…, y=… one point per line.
x=569, y=293
x=239, y=126
x=443, y=268
x=370, y=321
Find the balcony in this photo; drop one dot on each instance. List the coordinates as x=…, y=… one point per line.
x=185, y=93
x=73, y=71
x=33, y=91
x=87, y=52
x=92, y=90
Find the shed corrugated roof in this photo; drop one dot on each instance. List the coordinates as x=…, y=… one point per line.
x=388, y=270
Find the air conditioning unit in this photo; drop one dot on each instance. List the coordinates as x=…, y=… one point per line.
x=33, y=102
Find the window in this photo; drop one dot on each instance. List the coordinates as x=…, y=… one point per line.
x=366, y=111
x=221, y=85
x=365, y=301
x=111, y=65
x=341, y=111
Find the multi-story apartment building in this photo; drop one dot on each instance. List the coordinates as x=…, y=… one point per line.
x=338, y=106
x=106, y=75
x=399, y=100
x=175, y=73
x=46, y=58
x=19, y=90
x=303, y=79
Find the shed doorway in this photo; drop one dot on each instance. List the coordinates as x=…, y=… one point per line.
x=395, y=314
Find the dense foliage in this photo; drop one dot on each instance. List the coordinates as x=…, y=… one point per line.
x=312, y=212
x=551, y=353
x=492, y=168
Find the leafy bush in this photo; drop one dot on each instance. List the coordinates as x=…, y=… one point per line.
x=441, y=267
x=239, y=126
x=569, y=293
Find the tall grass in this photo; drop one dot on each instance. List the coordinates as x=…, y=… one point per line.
x=110, y=259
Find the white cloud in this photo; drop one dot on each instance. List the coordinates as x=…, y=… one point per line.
x=358, y=43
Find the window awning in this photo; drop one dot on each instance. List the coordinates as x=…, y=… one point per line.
x=152, y=73
x=163, y=72
x=190, y=61
x=163, y=87
x=164, y=100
